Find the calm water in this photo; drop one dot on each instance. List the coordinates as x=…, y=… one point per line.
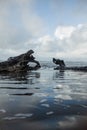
x=45, y=99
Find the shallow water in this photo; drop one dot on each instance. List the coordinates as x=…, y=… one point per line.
x=46, y=99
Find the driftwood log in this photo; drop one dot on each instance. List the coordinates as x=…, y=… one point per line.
x=74, y=68
x=61, y=66
x=19, y=63
x=59, y=62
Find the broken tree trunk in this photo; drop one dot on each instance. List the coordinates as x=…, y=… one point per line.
x=61, y=66
x=19, y=63
x=74, y=68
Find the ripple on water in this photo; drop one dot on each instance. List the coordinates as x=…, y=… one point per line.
x=23, y=94
x=45, y=105
x=13, y=88
x=2, y=111
x=59, y=86
x=19, y=116
x=49, y=113
x=43, y=100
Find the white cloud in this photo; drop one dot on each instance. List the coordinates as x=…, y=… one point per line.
x=76, y=44
x=64, y=31
x=18, y=22
x=73, y=44
x=32, y=23
x=19, y=18
x=27, y=31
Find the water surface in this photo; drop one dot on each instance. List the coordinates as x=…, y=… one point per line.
x=45, y=99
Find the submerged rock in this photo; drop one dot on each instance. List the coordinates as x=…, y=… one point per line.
x=19, y=63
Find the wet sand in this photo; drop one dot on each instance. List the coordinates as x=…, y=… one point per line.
x=46, y=99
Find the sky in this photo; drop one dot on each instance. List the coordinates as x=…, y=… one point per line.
x=52, y=28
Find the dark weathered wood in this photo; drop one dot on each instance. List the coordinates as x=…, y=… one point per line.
x=61, y=66
x=19, y=63
x=74, y=68
x=59, y=62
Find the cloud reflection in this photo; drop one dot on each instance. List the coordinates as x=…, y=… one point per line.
x=73, y=123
